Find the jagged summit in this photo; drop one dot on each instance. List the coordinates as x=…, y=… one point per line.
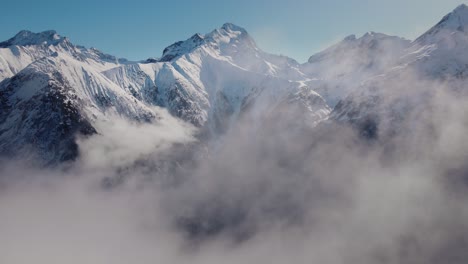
x=232, y=38
x=370, y=40
x=350, y=38
x=28, y=38
x=181, y=47
x=374, y=35
x=346, y=64
x=367, y=38
x=228, y=33
x=27, y=47
x=232, y=27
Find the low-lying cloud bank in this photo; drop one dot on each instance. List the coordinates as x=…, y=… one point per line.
x=153, y=193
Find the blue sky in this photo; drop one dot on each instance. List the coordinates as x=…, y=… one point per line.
x=139, y=29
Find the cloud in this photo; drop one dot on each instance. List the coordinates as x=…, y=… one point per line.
x=121, y=142
x=263, y=193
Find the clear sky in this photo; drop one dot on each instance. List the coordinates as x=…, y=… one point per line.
x=138, y=29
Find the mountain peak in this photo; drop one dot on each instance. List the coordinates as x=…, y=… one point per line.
x=368, y=36
x=28, y=38
x=227, y=34
x=461, y=8
x=373, y=34
x=455, y=21
x=232, y=27
x=231, y=34
x=369, y=42
x=350, y=38
x=182, y=47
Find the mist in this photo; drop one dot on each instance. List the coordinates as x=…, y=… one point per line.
x=382, y=180
x=278, y=192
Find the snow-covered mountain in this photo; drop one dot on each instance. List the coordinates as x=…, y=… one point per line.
x=27, y=47
x=435, y=62
x=53, y=90
x=209, y=79
x=441, y=51
x=345, y=65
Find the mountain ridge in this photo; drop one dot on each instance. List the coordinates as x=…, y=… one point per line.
x=209, y=80
x=208, y=83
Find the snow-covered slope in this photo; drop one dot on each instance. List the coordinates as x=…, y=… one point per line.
x=45, y=104
x=436, y=62
x=236, y=45
x=52, y=90
x=27, y=47
x=209, y=79
x=441, y=51
x=345, y=65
